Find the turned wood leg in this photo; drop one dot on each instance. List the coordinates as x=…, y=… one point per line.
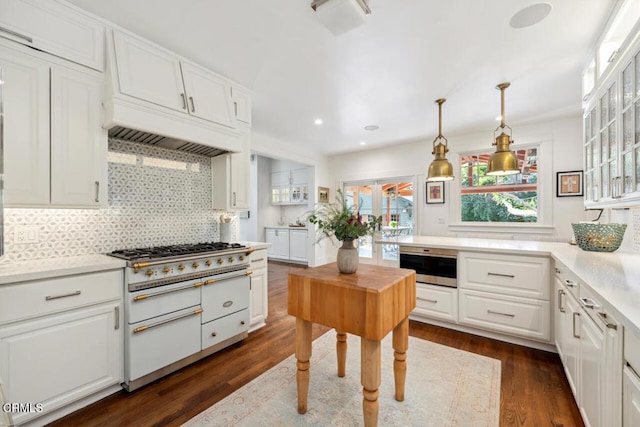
x=400, y=345
x=341, y=351
x=303, y=354
x=370, y=378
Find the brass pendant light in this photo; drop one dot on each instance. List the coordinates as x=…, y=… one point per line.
x=440, y=168
x=503, y=161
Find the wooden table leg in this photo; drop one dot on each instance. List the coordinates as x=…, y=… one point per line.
x=370, y=378
x=341, y=351
x=303, y=354
x=400, y=345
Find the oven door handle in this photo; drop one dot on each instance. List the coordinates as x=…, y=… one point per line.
x=164, y=322
x=169, y=291
x=211, y=281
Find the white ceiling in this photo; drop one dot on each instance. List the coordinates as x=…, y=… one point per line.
x=387, y=72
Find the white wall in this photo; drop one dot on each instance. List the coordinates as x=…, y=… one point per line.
x=413, y=158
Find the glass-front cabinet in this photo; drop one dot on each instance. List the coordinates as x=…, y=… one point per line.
x=612, y=135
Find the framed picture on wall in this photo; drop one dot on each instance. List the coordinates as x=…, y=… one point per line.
x=323, y=195
x=435, y=192
x=569, y=184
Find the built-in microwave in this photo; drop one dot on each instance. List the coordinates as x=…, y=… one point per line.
x=432, y=266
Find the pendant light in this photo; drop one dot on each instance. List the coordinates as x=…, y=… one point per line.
x=503, y=161
x=440, y=168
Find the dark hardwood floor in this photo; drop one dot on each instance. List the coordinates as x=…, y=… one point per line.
x=534, y=390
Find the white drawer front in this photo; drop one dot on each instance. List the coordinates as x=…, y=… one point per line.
x=259, y=259
x=225, y=297
x=632, y=349
x=226, y=327
x=505, y=274
x=511, y=315
x=30, y=299
x=154, y=302
x=567, y=278
x=436, y=302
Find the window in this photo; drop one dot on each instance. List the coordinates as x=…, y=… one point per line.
x=508, y=198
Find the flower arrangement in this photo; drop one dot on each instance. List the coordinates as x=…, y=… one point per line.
x=342, y=221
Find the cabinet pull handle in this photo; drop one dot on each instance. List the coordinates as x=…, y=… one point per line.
x=184, y=101
x=560, y=307
x=557, y=270
x=501, y=314
x=257, y=260
x=569, y=283
x=435, y=301
x=13, y=33
x=193, y=106
x=97, y=191
x=511, y=276
x=610, y=325
x=160, y=293
x=235, y=198
x=163, y=322
x=117, y=318
x=574, y=325
x=72, y=294
x=235, y=108
x=589, y=303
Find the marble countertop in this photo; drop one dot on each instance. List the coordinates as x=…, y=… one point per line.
x=22, y=271
x=286, y=227
x=613, y=276
x=255, y=245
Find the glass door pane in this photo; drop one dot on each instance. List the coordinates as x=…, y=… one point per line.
x=359, y=197
x=397, y=216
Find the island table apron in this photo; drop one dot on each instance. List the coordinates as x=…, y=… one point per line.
x=370, y=303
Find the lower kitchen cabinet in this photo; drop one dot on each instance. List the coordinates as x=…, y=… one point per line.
x=437, y=302
x=298, y=245
x=287, y=244
x=566, y=315
x=631, y=381
x=258, y=306
x=63, y=352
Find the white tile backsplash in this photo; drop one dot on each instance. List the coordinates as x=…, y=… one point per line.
x=156, y=197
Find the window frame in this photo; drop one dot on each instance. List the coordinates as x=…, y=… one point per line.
x=545, y=193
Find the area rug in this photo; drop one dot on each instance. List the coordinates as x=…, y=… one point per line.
x=444, y=387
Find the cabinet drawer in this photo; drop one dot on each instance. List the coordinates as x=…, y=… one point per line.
x=226, y=327
x=259, y=259
x=567, y=278
x=30, y=299
x=632, y=349
x=505, y=274
x=225, y=297
x=437, y=302
x=510, y=315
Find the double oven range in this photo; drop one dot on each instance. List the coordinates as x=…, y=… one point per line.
x=182, y=303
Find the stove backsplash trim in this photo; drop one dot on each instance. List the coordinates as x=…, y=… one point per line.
x=157, y=196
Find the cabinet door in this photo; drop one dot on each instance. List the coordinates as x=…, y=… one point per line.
x=149, y=73
x=631, y=395
x=282, y=243
x=78, y=142
x=272, y=239
x=58, y=359
x=241, y=104
x=240, y=174
x=591, y=365
x=208, y=96
x=571, y=340
x=298, y=245
x=279, y=179
x=26, y=129
x=299, y=176
x=258, y=307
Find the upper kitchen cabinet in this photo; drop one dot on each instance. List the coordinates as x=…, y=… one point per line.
x=230, y=177
x=612, y=117
x=54, y=27
x=55, y=150
x=152, y=74
x=241, y=104
x=290, y=187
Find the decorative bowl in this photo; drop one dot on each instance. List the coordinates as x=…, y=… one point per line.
x=598, y=237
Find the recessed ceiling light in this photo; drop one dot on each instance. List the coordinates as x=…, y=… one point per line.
x=363, y=143
x=318, y=122
x=371, y=127
x=530, y=15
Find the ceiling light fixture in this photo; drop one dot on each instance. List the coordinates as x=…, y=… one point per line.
x=318, y=122
x=363, y=143
x=340, y=16
x=440, y=168
x=530, y=15
x=371, y=127
x=503, y=161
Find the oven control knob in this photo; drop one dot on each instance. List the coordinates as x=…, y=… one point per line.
x=220, y=261
x=181, y=267
x=241, y=257
x=149, y=273
x=230, y=259
x=208, y=263
x=166, y=270
x=195, y=265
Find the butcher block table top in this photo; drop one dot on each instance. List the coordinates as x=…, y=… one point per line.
x=369, y=303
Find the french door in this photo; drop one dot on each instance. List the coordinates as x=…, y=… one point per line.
x=394, y=200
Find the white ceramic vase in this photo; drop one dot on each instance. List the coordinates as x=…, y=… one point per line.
x=348, y=257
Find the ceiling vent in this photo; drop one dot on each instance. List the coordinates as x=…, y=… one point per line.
x=340, y=16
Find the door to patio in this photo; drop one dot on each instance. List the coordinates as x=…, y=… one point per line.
x=394, y=200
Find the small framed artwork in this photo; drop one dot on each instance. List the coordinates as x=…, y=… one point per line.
x=323, y=195
x=569, y=184
x=435, y=192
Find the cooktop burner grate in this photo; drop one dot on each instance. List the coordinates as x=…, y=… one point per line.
x=157, y=252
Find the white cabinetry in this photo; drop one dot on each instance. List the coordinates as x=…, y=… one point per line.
x=505, y=293
x=230, y=175
x=259, y=289
x=241, y=104
x=54, y=27
x=298, y=245
x=155, y=75
x=437, y=302
x=631, y=381
x=278, y=240
x=566, y=316
x=290, y=187
x=60, y=339
x=55, y=147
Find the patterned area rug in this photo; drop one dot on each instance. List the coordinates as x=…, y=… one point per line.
x=444, y=387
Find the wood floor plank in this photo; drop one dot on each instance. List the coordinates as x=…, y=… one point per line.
x=534, y=390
